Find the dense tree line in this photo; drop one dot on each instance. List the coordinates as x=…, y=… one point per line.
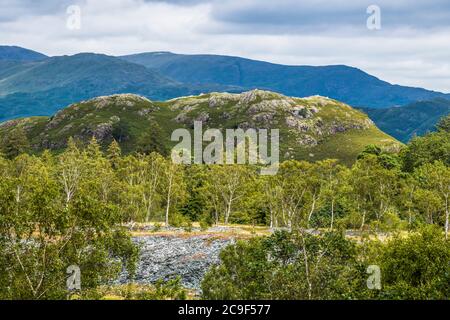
x=376, y=193
x=299, y=265
x=57, y=212
x=379, y=192
x=63, y=209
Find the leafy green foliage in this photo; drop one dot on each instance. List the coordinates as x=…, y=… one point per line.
x=161, y=290
x=416, y=267
x=54, y=212
x=299, y=265
x=15, y=143
x=444, y=124
x=151, y=141
x=432, y=147
x=70, y=209
x=287, y=266
x=429, y=148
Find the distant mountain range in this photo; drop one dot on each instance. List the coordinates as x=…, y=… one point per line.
x=20, y=54
x=43, y=87
x=414, y=119
x=343, y=83
x=34, y=84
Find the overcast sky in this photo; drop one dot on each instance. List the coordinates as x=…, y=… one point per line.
x=411, y=48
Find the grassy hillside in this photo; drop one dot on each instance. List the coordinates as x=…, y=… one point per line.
x=311, y=128
x=413, y=119
x=347, y=84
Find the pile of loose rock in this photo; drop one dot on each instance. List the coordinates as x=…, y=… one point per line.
x=166, y=257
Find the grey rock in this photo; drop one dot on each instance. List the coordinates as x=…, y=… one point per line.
x=181, y=118
x=166, y=257
x=103, y=131
x=307, y=140
x=203, y=117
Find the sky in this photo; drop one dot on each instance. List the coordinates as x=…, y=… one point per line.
x=407, y=43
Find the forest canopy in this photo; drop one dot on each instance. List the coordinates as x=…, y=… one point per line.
x=72, y=208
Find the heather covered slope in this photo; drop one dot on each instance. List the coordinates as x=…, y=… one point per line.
x=311, y=128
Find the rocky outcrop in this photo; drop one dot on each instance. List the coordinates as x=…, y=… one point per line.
x=256, y=95
x=307, y=140
x=203, y=117
x=56, y=119
x=217, y=100
x=10, y=124
x=126, y=100
x=182, y=118
x=103, y=131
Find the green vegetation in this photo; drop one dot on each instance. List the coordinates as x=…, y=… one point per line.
x=15, y=143
x=314, y=128
x=432, y=147
x=170, y=290
x=55, y=213
x=299, y=265
x=415, y=267
x=44, y=86
x=411, y=120
x=71, y=208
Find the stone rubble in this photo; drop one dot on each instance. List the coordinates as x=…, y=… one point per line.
x=166, y=257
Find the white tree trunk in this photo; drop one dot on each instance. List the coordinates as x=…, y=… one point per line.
x=313, y=207
x=228, y=212
x=169, y=192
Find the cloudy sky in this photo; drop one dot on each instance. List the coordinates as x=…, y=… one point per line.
x=411, y=48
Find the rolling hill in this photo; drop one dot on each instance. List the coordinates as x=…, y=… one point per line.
x=19, y=54
x=311, y=128
x=416, y=118
x=339, y=82
x=32, y=84
x=91, y=72
x=44, y=87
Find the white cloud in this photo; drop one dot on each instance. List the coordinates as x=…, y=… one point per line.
x=409, y=50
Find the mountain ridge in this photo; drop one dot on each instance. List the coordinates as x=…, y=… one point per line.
x=41, y=87
x=405, y=122
x=20, y=54
x=350, y=85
